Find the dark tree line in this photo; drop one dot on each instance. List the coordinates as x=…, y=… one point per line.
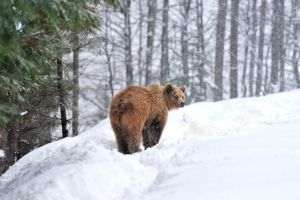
x=34, y=80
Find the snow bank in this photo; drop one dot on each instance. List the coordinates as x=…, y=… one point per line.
x=237, y=149
x=83, y=167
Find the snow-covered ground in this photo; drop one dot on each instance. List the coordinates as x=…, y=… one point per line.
x=237, y=149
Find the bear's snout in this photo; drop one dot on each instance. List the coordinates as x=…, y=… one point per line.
x=182, y=104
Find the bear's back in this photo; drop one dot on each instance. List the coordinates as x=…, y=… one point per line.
x=129, y=99
x=158, y=104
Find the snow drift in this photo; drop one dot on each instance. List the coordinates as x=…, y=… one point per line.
x=236, y=149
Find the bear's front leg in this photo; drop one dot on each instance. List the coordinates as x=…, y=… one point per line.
x=152, y=132
x=147, y=138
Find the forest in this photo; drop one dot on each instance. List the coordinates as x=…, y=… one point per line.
x=62, y=61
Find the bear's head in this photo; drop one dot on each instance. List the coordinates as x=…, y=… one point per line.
x=174, y=96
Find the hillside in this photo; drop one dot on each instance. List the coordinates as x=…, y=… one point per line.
x=236, y=149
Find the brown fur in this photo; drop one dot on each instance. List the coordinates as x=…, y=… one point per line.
x=138, y=114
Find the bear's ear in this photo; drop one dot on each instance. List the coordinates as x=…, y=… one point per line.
x=182, y=88
x=168, y=89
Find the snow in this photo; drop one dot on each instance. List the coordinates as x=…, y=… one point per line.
x=2, y=153
x=236, y=149
x=24, y=113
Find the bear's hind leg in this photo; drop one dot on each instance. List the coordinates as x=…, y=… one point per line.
x=133, y=147
x=120, y=139
x=128, y=142
x=131, y=124
x=134, y=141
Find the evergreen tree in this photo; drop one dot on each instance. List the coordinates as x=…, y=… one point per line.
x=31, y=34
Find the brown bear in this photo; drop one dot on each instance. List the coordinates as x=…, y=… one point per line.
x=139, y=114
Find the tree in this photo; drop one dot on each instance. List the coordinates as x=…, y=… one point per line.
x=246, y=49
x=200, y=51
x=219, y=49
x=267, y=70
x=140, y=50
x=296, y=32
x=108, y=51
x=261, y=44
x=75, y=93
x=2, y=146
x=151, y=18
x=164, y=62
x=186, y=5
x=30, y=66
x=12, y=152
x=282, y=49
x=125, y=8
x=234, y=49
x=61, y=95
x=276, y=44
x=253, y=48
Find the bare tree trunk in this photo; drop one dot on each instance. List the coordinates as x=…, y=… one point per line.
x=108, y=53
x=61, y=95
x=110, y=76
x=184, y=41
x=140, y=50
x=164, y=62
x=12, y=151
x=200, y=55
x=266, y=78
x=219, y=55
x=296, y=32
x=275, y=41
x=296, y=67
x=127, y=36
x=261, y=47
x=234, y=49
x=3, y=146
x=75, y=94
x=246, y=50
x=282, y=50
x=150, y=39
x=253, y=48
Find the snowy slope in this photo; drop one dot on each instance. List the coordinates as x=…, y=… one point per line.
x=236, y=149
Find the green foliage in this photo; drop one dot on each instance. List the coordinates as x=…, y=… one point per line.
x=30, y=38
